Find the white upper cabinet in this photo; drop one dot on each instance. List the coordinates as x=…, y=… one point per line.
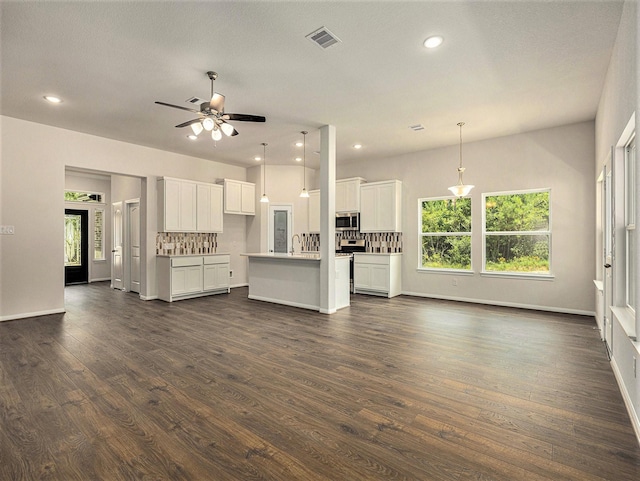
x=209, y=208
x=239, y=197
x=381, y=206
x=176, y=205
x=314, y=211
x=188, y=206
x=348, y=194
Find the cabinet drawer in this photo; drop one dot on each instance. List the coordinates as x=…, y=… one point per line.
x=224, y=259
x=186, y=261
x=370, y=259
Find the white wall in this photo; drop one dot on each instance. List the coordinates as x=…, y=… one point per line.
x=620, y=99
x=560, y=158
x=32, y=259
x=98, y=269
x=283, y=186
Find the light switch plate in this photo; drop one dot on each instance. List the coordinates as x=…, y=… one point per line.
x=7, y=230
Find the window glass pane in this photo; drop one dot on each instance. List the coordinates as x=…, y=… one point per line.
x=517, y=212
x=517, y=253
x=71, y=196
x=98, y=248
x=446, y=252
x=72, y=240
x=446, y=215
x=631, y=268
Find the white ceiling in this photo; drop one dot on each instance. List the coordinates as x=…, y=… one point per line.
x=504, y=68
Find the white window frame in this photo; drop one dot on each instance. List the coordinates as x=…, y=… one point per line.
x=510, y=274
x=429, y=234
x=630, y=178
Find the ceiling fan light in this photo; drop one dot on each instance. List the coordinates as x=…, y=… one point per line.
x=216, y=134
x=227, y=129
x=197, y=128
x=208, y=124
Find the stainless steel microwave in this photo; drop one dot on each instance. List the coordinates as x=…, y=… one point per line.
x=348, y=221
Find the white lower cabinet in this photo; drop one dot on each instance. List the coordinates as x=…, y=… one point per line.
x=216, y=273
x=378, y=274
x=183, y=277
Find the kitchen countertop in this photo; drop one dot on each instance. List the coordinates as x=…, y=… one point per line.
x=272, y=255
x=193, y=255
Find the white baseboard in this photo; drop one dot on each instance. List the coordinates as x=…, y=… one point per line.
x=635, y=421
x=244, y=284
x=148, y=298
x=100, y=279
x=24, y=315
x=561, y=310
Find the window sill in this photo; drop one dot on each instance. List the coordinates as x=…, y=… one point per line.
x=514, y=275
x=457, y=272
x=626, y=320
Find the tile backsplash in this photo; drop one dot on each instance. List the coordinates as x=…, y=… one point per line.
x=185, y=243
x=382, y=242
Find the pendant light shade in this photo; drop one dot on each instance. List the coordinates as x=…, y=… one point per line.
x=264, y=199
x=460, y=189
x=304, y=192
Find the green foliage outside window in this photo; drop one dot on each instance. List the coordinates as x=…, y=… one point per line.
x=517, y=233
x=446, y=233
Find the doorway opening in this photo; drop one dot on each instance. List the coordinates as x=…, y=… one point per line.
x=76, y=246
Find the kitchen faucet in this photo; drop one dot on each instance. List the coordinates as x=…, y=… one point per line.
x=293, y=250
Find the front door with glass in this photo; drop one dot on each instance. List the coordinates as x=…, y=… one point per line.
x=76, y=246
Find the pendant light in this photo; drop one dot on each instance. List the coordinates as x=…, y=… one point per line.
x=304, y=192
x=460, y=190
x=264, y=199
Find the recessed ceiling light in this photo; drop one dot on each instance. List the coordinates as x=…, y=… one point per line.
x=192, y=137
x=434, y=41
x=298, y=159
x=257, y=158
x=298, y=144
x=53, y=99
x=357, y=146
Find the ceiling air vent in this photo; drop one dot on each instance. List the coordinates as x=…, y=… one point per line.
x=323, y=38
x=195, y=101
x=417, y=127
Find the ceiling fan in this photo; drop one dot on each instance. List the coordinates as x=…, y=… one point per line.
x=211, y=116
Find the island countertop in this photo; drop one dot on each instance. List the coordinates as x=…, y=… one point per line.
x=294, y=257
x=194, y=255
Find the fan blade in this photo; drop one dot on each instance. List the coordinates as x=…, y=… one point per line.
x=244, y=117
x=217, y=102
x=186, y=124
x=178, y=107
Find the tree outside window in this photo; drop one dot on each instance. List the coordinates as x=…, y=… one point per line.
x=445, y=233
x=517, y=232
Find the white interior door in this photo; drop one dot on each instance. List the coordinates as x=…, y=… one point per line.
x=280, y=225
x=117, y=273
x=133, y=258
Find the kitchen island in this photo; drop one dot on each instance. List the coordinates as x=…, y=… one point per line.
x=294, y=279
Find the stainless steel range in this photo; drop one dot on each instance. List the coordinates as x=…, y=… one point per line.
x=347, y=248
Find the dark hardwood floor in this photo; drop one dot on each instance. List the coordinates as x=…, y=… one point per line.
x=224, y=388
